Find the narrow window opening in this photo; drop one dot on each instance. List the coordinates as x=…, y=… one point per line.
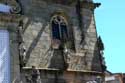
x=55, y=30
x=59, y=30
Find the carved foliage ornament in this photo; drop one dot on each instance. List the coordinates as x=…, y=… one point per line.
x=15, y=6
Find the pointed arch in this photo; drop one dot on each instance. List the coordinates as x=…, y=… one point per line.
x=65, y=37
x=59, y=27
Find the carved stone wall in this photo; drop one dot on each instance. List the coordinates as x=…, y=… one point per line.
x=38, y=40
x=52, y=76
x=31, y=40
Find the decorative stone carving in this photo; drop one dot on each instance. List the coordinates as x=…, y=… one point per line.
x=16, y=8
x=90, y=5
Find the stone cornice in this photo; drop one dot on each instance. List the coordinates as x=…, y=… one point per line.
x=84, y=4
x=89, y=5
x=63, y=2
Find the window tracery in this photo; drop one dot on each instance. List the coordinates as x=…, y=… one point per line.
x=59, y=30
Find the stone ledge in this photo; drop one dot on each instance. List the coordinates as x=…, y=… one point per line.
x=68, y=70
x=10, y=18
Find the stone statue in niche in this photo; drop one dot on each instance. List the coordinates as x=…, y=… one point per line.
x=22, y=48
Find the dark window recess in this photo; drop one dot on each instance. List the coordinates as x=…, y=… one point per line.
x=64, y=32
x=55, y=30
x=59, y=29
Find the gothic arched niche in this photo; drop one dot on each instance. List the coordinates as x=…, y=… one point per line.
x=60, y=36
x=59, y=29
x=61, y=40
x=67, y=38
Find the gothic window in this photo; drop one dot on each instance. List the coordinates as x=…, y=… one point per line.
x=59, y=29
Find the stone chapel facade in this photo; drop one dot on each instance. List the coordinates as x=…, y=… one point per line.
x=58, y=37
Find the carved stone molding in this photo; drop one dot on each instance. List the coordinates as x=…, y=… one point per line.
x=64, y=2
x=61, y=12
x=89, y=5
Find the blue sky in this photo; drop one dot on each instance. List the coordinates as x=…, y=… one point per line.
x=110, y=23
